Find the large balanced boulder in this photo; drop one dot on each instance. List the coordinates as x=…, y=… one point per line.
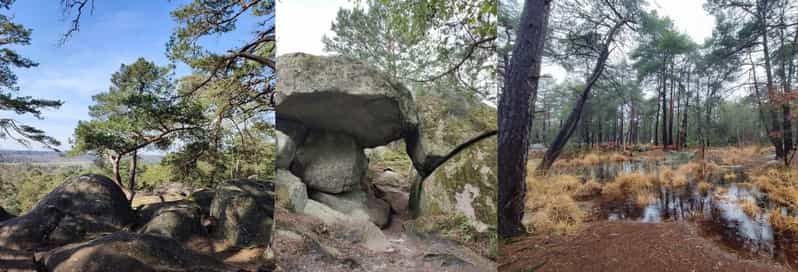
x=466, y=184
x=244, y=212
x=330, y=162
x=80, y=207
x=129, y=252
x=340, y=94
x=357, y=204
x=179, y=220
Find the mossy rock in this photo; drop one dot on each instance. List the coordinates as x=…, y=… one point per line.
x=466, y=184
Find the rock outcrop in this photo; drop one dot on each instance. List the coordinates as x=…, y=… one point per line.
x=466, y=184
x=330, y=162
x=342, y=95
x=129, y=252
x=244, y=212
x=179, y=220
x=357, y=204
x=78, y=208
x=291, y=192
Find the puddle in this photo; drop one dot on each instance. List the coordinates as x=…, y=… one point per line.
x=718, y=212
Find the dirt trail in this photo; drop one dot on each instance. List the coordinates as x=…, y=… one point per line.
x=628, y=246
x=305, y=244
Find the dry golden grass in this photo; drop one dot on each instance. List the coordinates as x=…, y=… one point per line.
x=720, y=192
x=673, y=179
x=730, y=176
x=550, y=206
x=737, y=155
x=780, y=185
x=628, y=186
x=645, y=198
x=782, y=222
x=750, y=207
x=559, y=216
x=588, y=189
x=704, y=187
x=590, y=159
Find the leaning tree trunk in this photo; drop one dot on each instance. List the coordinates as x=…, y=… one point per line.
x=570, y=125
x=132, y=174
x=515, y=118
x=115, y=160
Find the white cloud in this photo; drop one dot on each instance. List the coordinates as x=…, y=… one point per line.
x=302, y=23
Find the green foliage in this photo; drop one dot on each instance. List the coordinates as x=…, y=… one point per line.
x=423, y=42
x=14, y=35
x=154, y=175
x=140, y=108
x=23, y=185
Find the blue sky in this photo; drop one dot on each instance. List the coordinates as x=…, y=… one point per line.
x=117, y=32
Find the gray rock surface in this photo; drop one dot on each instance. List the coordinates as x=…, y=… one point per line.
x=129, y=252
x=357, y=204
x=330, y=162
x=291, y=192
x=179, y=220
x=360, y=231
x=80, y=207
x=286, y=148
x=339, y=94
x=244, y=212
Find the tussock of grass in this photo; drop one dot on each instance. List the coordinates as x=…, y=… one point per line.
x=590, y=159
x=780, y=186
x=560, y=216
x=704, y=187
x=588, y=189
x=628, y=186
x=737, y=155
x=750, y=207
x=730, y=176
x=783, y=223
x=550, y=206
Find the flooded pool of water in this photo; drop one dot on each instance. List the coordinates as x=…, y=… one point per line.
x=718, y=211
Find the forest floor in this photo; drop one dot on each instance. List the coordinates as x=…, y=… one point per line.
x=658, y=211
x=307, y=244
x=628, y=246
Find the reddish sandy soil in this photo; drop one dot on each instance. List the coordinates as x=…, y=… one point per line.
x=627, y=246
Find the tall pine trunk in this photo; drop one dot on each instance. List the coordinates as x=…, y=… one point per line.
x=515, y=115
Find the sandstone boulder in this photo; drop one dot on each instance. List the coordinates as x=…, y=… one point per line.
x=466, y=184
x=129, y=252
x=340, y=94
x=358, y=231
x=291, y=192
x=357, y=204
x=330, y=162
x=80, y=207
x=244, y=212
x=179, y=220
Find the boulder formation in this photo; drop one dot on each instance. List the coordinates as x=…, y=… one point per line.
x=80, y=207
x=465, y=185
x=244, y=212
x=329, y=109
x=123, y=252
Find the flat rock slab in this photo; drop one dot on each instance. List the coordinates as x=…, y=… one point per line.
x=340, y=94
